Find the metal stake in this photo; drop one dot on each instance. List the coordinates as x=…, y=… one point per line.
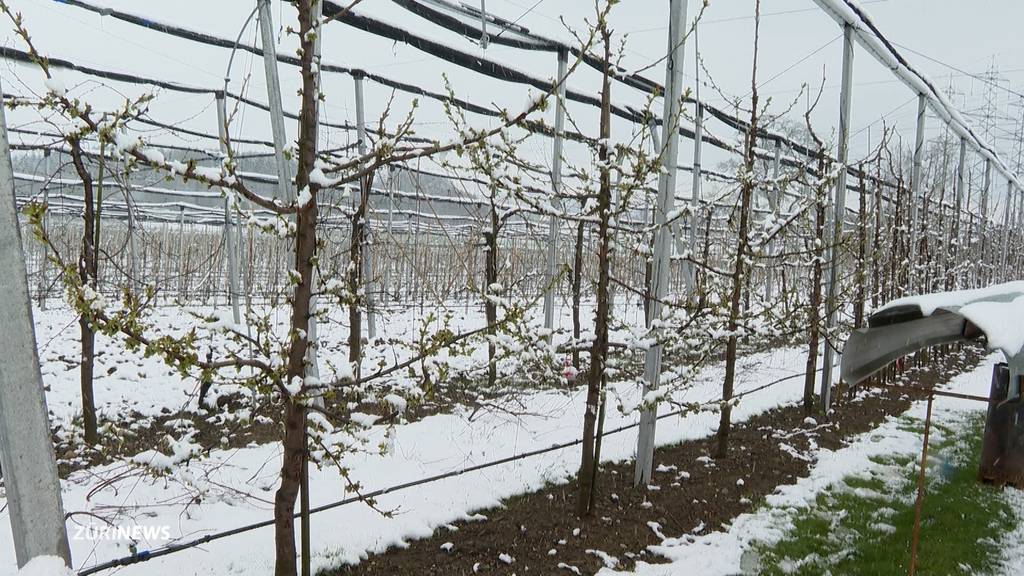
x=556, y=188
x=662, y=235
x=915, y=191
x=364, y=190
x=961, y=183
x=274, y=99
x=229, y=236
x=838, y=217
x=26, y=447
x=695, y=195
x=984, y=215
x=181, y=252
x=775, y=202
x=1006, y=229
x=43, y=280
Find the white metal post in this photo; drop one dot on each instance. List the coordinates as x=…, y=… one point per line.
x=961, y=183
x=775, y=204
x=556, y=188
x=1003, y=272
x=662, y=235
x=181, y=252
x=364, y=190
x=43, y=262
x=695, y=195
x=229, y=236
x=1017, y=227
x=26, y=447
x=838, y=218
x=274, y=100
x=133, y=256
x=484, y=40
x=983, y=223
x=915, y=192
x=1020, y=208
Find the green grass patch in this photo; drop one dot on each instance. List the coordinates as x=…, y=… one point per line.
x=863, y=525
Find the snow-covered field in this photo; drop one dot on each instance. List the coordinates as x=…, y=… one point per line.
x=126, y=381
x=720, y=553
x=234, y=487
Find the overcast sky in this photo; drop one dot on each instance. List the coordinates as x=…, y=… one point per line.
x=799, y=44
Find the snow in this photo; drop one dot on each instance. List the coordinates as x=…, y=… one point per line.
x=997, y=310
x=1002, y=322
x=294, y=386
x=607, y=559
x=55, y=85
x=235, y=486
x=396, y=402
x=958, y=298
x=304, y=197
x=434, y=444
x=723, y=553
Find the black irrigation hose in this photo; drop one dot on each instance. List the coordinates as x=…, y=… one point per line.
x=147, y=555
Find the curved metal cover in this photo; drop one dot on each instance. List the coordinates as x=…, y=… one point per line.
x=868, y=350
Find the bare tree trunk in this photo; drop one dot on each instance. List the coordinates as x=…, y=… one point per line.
x=739, y=275
x=876, y=263
x=814, y=306
x=599, y=349
x=294, y=441
x=88, y=268
x=490, y=279
x=862, y=237
x=355, y=274
x=577, y=286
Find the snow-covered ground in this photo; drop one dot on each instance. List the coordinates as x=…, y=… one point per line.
x=127, y=382
x=720, y=553
x=234, y=487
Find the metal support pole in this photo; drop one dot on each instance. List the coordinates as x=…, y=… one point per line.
x=1006, y=230
x=1020, y=209
x=689, y=270
x=43, y=262
x=181, y=252
x=229, y=236
x=284, y=193
x=983, y=223
x=662, y=235
x=371, y=328
x=26, y=446
x=915, y=191
x=133, y=256
x=695, y=196
x=484, y=40
x=556, y=188
x=775, y=203
x=838, y=218
x=961, y=184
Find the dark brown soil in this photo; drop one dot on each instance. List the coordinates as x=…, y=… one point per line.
x=540, y=530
